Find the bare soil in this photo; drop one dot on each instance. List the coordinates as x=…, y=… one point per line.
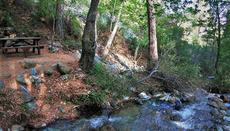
x=51, y=96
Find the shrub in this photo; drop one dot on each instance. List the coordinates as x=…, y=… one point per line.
x=104, y=22
x=72, y=44
x=8, y=20
x=76, y=27
x=93, y=97
x=108, y=83
x=173, y=65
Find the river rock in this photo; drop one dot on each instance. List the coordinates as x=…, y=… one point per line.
x=20, y=79
x=36, y=80
x=53, y=49
x=30, y=106
x=217, y=103
x=107, y=128
x=2, y=85
x=177, y=104
x=226, y=128
x=219, y=128
x=187, y=98
x=33, y=72
x=144, y=96
x=77, y=54
x=227, y=105
x=64, y=77
x=63, y=68
x=176, y=117
x=226, y=118
x=26, y=94
x=29, y=64
x=224, y=98
x=61, y=109
x=216, y=113
x=17, y=128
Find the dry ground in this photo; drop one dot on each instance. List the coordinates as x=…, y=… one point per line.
x=49, y=96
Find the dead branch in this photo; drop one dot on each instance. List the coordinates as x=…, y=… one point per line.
x=120, y=61
x=154, y=70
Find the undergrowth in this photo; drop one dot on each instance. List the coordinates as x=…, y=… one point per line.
x=107, y=84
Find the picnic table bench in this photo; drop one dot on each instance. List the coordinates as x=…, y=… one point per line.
x=23, y=43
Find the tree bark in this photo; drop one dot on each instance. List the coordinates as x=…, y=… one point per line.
x=113, y=34
x=59, y=19
x=152, y=48
x=218, y=37
x=89, y=38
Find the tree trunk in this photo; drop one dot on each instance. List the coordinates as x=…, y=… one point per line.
x=59, y=19
x=111, y=22
x=218, y=37
x=152, y=49
x=113, y=34
x=89, y=38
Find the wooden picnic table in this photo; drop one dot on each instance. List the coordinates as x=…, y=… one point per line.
x=24, y=43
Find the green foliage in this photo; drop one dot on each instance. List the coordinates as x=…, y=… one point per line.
x=103, y=22
x=77, y=27
x=8, y=20
x=182, y=67
x=46, y=9
x=103, y=79
x=107, y=82
x=93, y=97
x=224, y=72
x=72, y=44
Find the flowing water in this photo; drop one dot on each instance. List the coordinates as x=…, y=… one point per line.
x=151, y=116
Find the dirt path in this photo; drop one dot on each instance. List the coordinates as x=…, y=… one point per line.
x=11, y=65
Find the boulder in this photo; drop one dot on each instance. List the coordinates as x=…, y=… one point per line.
x=29, y=64
x=20, y=79
x=2, y=85
x=49, y=72
x=63, y=68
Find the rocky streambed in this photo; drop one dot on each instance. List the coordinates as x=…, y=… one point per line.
x=202, y=111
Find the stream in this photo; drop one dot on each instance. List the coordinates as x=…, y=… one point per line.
x=205, y=113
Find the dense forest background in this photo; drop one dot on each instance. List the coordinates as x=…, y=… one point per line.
x=192, y=36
